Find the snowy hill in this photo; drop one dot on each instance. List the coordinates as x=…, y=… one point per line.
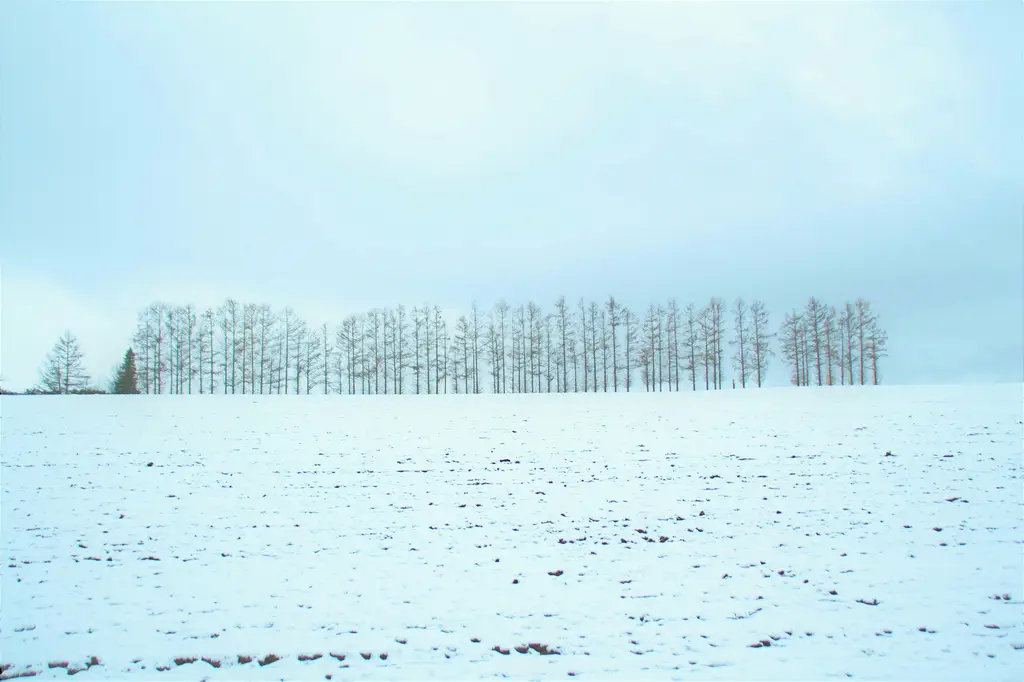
x=769, y=534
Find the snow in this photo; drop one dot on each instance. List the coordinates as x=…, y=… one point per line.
x=398, y=525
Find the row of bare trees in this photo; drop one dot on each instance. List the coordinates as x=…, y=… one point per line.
x=576, y=347
x=825, y=346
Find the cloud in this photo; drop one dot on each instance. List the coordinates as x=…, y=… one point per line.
x=453, y=91
x=877, y=83
x=467, y=89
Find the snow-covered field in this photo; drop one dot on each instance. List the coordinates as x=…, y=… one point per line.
x=733, y=535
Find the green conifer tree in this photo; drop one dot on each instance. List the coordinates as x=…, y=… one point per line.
x=127, y=380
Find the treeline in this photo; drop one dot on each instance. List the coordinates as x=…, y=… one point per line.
x=249, y=348
x=820, y=342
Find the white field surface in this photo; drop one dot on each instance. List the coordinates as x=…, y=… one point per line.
x=687, y=527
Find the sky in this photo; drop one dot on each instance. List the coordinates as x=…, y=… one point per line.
x=337, y=157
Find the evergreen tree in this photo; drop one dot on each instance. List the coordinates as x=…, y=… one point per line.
x=127, y=380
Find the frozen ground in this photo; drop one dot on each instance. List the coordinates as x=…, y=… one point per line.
x=687, y=534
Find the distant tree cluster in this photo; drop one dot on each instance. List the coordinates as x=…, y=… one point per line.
x=63, y=373
x=574, y=347
x=581, y=347
x=824, y=346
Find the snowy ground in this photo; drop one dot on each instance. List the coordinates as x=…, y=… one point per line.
x=738, y=535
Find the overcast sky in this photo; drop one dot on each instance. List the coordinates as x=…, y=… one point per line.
x=341, y=156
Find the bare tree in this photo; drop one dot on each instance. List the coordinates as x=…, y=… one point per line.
x=326, y=356
x=258, y=353
x=545, y=338
x=603, y=326
x=312, y=360
x=534, y=339
x=564, y=326
x=209, y=328
x=233, y=313
x=494, y=353
x=374, y=328
x=282, y=358
x=144, y=341
x=400, y=348
x=298, y=347
x=225, y=350
x=171, y=341
x=672, y=328
x=176, y=336
x=584, y=347
x=595, y=342
x=816, y=318
x=516, y=354
x=366, y=367
x=790, y=335
x=418, y=333
x=742, y=360
x=831, y=338
x=865, y=319
x=63, y=371
x=428, y=343
x=630, y=324
x=204, y=348
x=392, y=372
x=455, y=368
x=706, y=344
x=348, y=342
x=841, y=325
x=613, y=310
x=651, y=348
x=246, y=347
x=171, y=317
x=290, y=321
x=251, y=350
x=340, y=360
x=644, y=358
x=191, y=324
x=759, y=337
x=462, y=347
x=574, y=358
x=476, y=329
x=691, y=336
x=501, y=309
x=660, y=347
x=805, y=349
x=387, y=321
x=183, y=349
x=255, y=348
x=716, y=307
x=160, y=339
x=440, y=352
x=876, y=343
x=517, y=357
x=850, y=351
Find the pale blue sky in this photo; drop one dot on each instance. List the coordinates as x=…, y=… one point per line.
x=341, y=156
